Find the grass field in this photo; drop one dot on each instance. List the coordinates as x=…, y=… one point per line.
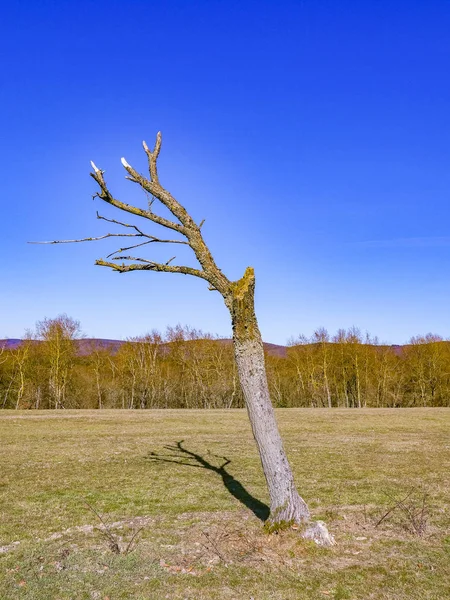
x=197, y=524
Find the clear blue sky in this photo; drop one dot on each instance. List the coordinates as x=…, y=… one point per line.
x=313, y=137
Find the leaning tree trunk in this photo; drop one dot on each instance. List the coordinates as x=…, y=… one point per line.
x=286, y=505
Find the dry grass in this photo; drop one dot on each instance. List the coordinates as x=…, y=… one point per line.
x=198, y=540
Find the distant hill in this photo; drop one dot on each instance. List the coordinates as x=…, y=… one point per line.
x=85, y=345
x=10, y=343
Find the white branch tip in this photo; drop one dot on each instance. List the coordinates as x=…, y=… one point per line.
x=124, y=162
x=96, y=169
x=144, y=144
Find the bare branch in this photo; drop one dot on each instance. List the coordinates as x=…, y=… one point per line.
x=152, y=238
x=106, y=196
x=140, y=259
x=99, y=216
x=113, y=543
x=153, y=157
x=150, y=200
x=155, y=188
x=129, y=248
x=93, y=239
x=393, y=507
x=185, y=226
x=188, y=227
x=150, y=266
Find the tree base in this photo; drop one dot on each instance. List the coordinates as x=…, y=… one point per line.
x=317, y=532
x=296, y=513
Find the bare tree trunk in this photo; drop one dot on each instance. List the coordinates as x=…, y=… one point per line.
x=99, y=389
x=38, y=398
x=21, y=390
x=8, y=389
x=286, y=505
x=285, y=502
x=328, y=392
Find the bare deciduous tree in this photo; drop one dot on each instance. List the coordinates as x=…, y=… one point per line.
x=58, y=336
x=286, y=505
x=21, y=362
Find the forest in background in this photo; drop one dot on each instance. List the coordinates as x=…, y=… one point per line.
x=53, y=367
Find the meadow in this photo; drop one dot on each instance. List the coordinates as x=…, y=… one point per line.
x=155, y=504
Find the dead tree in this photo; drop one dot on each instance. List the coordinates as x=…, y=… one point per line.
x=286, y=505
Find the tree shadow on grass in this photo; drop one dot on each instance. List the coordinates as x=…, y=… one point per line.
x=182, y=456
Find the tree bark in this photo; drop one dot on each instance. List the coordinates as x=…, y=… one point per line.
x=286, y=505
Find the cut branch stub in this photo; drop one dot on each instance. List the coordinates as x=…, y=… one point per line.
x=241, y=305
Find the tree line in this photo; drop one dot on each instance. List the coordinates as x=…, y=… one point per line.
x=54, y=368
